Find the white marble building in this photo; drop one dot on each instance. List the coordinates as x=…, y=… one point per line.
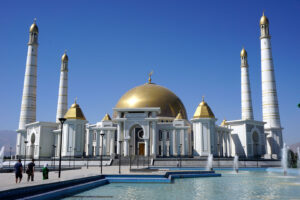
x=150, y=120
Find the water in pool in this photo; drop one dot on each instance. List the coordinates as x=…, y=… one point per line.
x=245, y=185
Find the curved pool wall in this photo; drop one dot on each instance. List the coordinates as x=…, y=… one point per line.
x=68, y=188
x=291, y=171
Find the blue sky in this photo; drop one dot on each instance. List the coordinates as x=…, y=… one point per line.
x=192, y=46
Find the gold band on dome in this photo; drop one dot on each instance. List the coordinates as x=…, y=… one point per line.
x=153, y=95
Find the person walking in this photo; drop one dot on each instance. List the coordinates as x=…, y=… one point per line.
x=45, y=171
x=18, y=170
x=30, y=170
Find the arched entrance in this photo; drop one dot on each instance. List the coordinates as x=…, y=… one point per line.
x=255, y=139
x=32, y=140
x=137, y=143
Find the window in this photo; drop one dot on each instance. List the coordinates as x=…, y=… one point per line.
x=94, y=135
x=159, y=150
x=168, y=135
x=160, y=135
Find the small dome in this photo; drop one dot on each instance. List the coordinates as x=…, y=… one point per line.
x=243, y=53
x=203, y=111
x=106, y=118
x=264, y=20
x=75, y=112
x=65, y=57
x=224, y=123
x=179, y=116
x=34, y=28
x=152, y=95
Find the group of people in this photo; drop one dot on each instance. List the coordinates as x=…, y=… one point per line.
x=29, y=171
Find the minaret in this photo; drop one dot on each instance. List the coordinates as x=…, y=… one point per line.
x=28, y=106
x=62, y=104
x=247, y=111
x=269, y=93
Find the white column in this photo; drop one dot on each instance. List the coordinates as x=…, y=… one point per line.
x=247, y=111
x=118, y=137
x=125, y=146
x=174, y=142
x=185, y=142
x=112, y=142
x=146, y=147
x=62, y=103
x=171, y=142
x=269, y=92
x=154, y=138
x=182, y=142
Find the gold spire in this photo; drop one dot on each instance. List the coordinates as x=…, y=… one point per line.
x=243, y=53
x=179, y=116
x=203, y=110
x=150, y=74
x=224, y=123
x=33, y=27
x=106, y=118
x=75, y=112
x=264, y=20
x=65, y=57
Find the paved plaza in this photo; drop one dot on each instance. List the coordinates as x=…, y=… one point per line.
x=8, y=179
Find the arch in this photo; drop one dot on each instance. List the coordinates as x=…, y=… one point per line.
x=256, y=143
x=32, y=144
x=136, y=140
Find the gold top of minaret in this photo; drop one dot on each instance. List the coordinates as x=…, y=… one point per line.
x=243, y=53
x=65, y=57
x=34, y=28
x=264, y=19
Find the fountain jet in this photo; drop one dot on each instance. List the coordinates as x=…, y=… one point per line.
x=284, y=158
x=209, y=162
x=298, y=155
x=236, y=163
x=1, y=156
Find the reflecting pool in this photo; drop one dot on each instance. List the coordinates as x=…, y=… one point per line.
x=244, y=185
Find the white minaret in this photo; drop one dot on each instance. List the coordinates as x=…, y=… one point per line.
x=247, y=111
x=271, y=115
x=62, y=103
x=28, y=106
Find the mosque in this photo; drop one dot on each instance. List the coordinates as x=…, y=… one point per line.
x=150, y=120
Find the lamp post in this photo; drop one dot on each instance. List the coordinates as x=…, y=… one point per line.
x=70, y=157
x=130, y=147
x=101, y=156
x=219, y=152
x=138, y=156
x=120, y=143
x=25, y=142
x=54, y=155
x=9, y=157
x=180, y=155
x=256, y=155
x=62, y=121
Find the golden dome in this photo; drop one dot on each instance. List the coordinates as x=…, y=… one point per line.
x=34, y=28
x=264, y=20
x=224, y=123
x=243, y=53
x=75, y=112
x=65, y=57
x=152, y=95
x=203, y=111
x=106, y=118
